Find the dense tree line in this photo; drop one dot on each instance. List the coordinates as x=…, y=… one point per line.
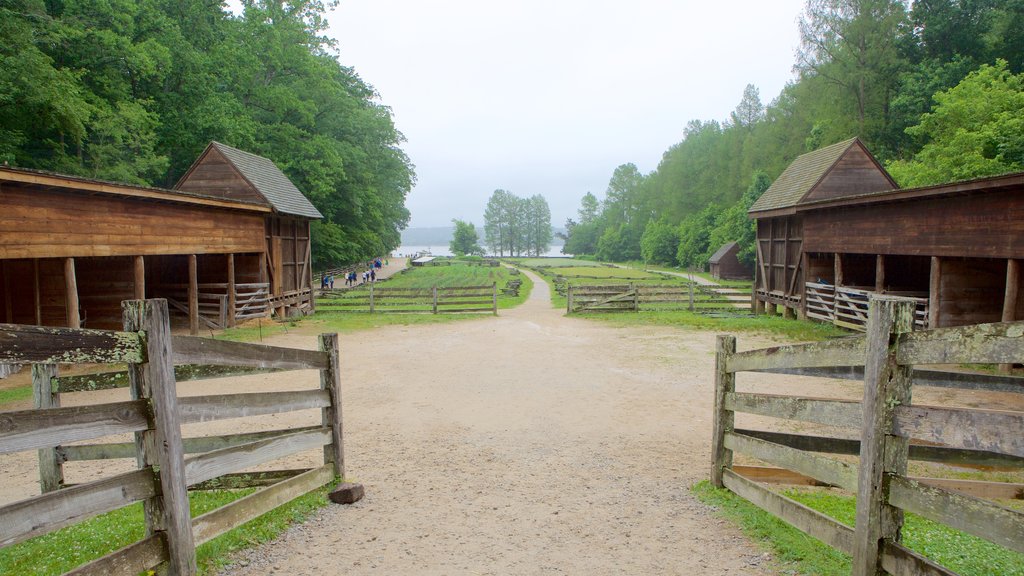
x=515, y=226
x=133, y=90
x=935, y=89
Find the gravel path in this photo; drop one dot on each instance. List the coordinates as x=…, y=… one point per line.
x=530, y=443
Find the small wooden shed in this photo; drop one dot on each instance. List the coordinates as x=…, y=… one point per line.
x=725, y=264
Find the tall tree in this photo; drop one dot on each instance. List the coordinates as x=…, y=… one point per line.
x=465, y=240
x=497, y=221
x=539, y=224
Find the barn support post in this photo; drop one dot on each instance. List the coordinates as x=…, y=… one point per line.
x=934, y=293
x=724, y=420
x=8, y=303
x=769, y=308
x=37, y=299
x=162, y=444
x=193, y=296
x=51, y=470
x=805, y=265
x=71, y=294
x=140, y=278
x=880, y=273
x=330, y=380
x=788, y=313
x=882, y=454
x=1010, y=298
x=232, y=291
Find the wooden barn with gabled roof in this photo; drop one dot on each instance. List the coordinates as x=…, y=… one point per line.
x=71, y=248
x=235, y=174
x=725, y=263
x=837, y=229
x=842, y=169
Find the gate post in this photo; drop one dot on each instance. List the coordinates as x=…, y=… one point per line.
x=886, y=386
x=330, y=380
x=162, y=445
x=51, y=470
x=725, y=383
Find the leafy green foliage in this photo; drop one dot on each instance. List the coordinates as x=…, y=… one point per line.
x=133, y=90
x=659, y=243
x=465, y=239
x=975, y=129
x=515, y=226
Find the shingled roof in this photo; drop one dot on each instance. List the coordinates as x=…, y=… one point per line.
x=262, y=178
x=845, y=168
x=717, y=256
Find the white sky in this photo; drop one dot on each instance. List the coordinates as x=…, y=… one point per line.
x=549, y=97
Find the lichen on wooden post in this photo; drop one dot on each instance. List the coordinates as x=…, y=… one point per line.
x=886, y=386
x=724, y=420
x=331, y=416
x=51, y=471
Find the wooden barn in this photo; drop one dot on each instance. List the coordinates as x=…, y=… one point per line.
x=234, y=174
x=71, y=249
x=954, y=249
x=725, y=265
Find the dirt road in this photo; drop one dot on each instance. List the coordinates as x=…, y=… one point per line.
x=525, y=444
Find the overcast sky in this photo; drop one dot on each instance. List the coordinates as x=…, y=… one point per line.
x=549, y=97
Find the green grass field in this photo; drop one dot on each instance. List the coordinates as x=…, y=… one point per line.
x=798, y=553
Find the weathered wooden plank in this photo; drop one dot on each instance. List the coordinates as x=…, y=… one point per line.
x=977, y=488
x=193, y=445
x=193, y=350
x=48, y=512
x=238, y=480
x=811, y=522
x=162, y=445
x=975, y=516
x=33, y=429
x=989, y=430
x=899, y=560
x=932, y=378
x=331, y=415
x=977, y=344
x=45, y=345
x=820, y=411
x=821, y=468
x=772, y=475
x=214, y=523
x=51, y=473
x=222, y=406
x=724, y=419
x=227, y=460
x=838, y=352
x=131, y=560
x=943, y=454
x=886, y=385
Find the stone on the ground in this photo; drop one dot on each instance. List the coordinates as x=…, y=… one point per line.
x=346, y=493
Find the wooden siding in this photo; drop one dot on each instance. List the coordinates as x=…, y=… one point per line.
x=856, y=172
x=214, y=175
x=46, y=224
x=972, y=291
x=972, y=226
x=778, y=255
x=290, y=264
x=729, y=267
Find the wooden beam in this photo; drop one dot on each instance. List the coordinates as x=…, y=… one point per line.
x=20, y=344
x=226, y=460
x=193, y=295
x=232, y=296
x=724, y=419
x=194, y=409
x=51, y=473
x=331, y=415
x=192, y=350
x=880, y=273
x=8, y=302
x=992, y=343
x=843, y=413
x=140, y=278
x=1010, y=298
x=836, y=352
x=838, y=269
x=128, y=561
x=71, y=294
x=37, y=299
x=987, y=430
x=822, y=468
x=886, y=386
x=934, y=292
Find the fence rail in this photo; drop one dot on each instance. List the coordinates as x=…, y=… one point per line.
x=888, y=422
x=848, y=307
x=435, y=300
x=155, y=416
x=636, y=297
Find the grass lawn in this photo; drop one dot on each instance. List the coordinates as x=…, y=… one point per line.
x=64, y=549
x=964, y=554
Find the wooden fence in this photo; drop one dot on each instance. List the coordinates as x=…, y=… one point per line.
x=637, y=297
x=848, y=307
x=156, y=360
x=888, y=422
x=215, y=303
x=436, y=300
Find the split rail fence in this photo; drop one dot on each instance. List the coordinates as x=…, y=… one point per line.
x=214, y=302
x=638, y=297
x=436, y=300
x=888, y=421
x=167, y=464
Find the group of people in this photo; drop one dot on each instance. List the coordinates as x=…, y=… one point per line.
x=352, y=278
